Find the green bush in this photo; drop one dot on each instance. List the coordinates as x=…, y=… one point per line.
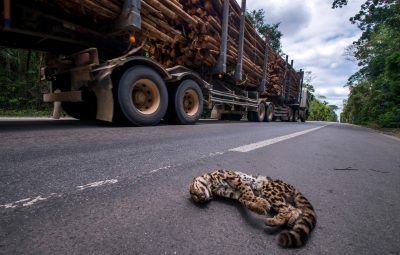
x=390, y=119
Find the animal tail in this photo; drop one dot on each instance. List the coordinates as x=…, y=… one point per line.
x=298, y=235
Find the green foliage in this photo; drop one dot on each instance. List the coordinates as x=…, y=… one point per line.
x=375, y=88
x=321, y=111
x=25, y=112
x=339, y=3
x=272, y=32
x=310, y=89
x=390, y=119
x=20, y=85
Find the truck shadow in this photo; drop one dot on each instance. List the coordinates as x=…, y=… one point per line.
x=43, y=124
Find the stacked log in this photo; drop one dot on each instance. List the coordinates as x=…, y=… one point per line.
x=188, y=33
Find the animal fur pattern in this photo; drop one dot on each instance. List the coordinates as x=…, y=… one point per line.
x=261, y=195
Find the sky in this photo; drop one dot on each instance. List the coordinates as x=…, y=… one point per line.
x=315, y=36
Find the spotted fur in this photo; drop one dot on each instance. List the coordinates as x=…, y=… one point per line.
x=261, y=195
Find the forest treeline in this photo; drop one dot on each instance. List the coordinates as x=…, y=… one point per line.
x=20, y=86
x=375, y=89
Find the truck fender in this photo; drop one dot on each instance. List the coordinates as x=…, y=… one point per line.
x=126, y=63
x=180, y=73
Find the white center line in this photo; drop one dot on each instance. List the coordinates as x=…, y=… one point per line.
x=159, y=169
x=27, y=201
x=31, y=201
x=257, y=145
x=97, y=184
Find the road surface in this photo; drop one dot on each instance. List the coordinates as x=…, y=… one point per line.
x=70, y=187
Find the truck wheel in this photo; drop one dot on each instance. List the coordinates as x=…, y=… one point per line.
x=290, y=114
x=303, y=115
x=142, y=96
x=186, y=106
x=269, y=115
x=257, y=116
x=296, y=116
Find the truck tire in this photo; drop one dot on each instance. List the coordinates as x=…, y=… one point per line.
x=269, y=113
x=186, y=105
x=257, y=116
x=142, y=96
x=296, y=116
x=290, y=114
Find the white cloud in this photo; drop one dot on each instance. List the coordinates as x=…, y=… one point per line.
x=315, y=36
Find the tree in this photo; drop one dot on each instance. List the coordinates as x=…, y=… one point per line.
x=319, y=110
x=375, y=88
x=257, y=18
x=20, y=85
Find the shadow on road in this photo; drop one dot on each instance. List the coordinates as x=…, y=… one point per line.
x=46, y=124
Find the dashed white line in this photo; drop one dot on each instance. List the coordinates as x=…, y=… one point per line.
x=159, y=169
x=27, y=201
x=212, y=154
x=254, y=146
x=38, y=199
x=97, y=184
x=31, y=201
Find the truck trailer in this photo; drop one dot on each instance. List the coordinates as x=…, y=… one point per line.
x=140, y=62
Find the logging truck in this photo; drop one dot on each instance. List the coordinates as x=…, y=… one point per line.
x=140, y=62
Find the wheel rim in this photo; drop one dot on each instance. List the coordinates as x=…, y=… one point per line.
x=261, y=111
x=191, y=102
x=290, y=114
x=270, y=113
x=146, y=96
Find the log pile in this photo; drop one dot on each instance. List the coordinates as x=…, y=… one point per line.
x=188, y=33
x=279, y=74
x=195, y=38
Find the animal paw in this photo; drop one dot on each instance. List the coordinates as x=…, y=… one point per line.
x=259, y=210
x=292, y=217
x=274, y=221
x=256, y=208
x=263, y=203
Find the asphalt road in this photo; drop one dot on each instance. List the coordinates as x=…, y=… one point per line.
x=69, y=187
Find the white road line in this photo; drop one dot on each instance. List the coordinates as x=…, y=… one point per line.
x=38, y=199
x=97, y=184
x=31, y=201
x=159, y=169
x=213, y=154
x=254, y=146
x=27, y=201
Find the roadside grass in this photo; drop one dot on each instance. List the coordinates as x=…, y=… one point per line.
x=389, y=131
x=25, y=113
